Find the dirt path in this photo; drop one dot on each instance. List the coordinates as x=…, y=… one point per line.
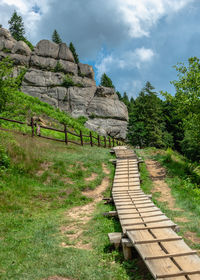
x=158, y=174
x=79, y=216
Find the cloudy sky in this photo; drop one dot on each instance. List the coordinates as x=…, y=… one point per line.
x=133, y=41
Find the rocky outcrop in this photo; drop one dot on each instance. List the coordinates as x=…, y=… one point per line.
x=54, y=77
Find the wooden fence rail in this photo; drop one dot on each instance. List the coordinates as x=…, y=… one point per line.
x=99, y=141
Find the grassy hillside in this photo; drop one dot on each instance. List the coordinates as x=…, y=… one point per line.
x=40, y=181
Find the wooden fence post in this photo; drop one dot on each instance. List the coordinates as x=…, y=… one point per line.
x=66, y=136
x=91, y=143
x=81, y=136
x=104, y=141
x=32, y=126
x=99, y=144
x=109, y=143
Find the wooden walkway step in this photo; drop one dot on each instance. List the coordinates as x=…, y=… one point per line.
x=147, y=228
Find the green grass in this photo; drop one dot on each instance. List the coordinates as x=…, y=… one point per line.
x=181, y=180
x=39, y=181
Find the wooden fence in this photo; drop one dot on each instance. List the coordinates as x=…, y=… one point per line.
x=99, y=141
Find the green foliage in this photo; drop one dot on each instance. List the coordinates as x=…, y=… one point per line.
x=73, y=50
x=58, y=67
x=29, y=44
x=146, y=124
x=16, y=26
x=106, y=81
x=183, y=108
x=7, y=84
x=56, y=37
x=4, y=159
x=5, y=50
x=68, y=82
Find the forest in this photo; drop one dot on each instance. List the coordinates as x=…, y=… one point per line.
x=167, y=121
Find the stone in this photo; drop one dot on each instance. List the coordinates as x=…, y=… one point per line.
x=21, y=48
x=105, y=107
x=86, y=70
x=69, y=67
x=86, y=82
x=34, y=91
x=106, y=92
x=19, y=59
x=65, y=53
x=40, y=62
x=49, y=100
x=5, y=33
x=6, y=44
x=111, y=127
x=79, y=100
x=42, y=78
x=47, y=48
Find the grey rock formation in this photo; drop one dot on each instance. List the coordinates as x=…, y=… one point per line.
x=47, y=48
x=79, y=96
x=40, y=62
x=36, y=77
x=80, y=99
x=111, y=127
x=68, y=67
x=65, y=53
x=86, y=70
x=21, y=48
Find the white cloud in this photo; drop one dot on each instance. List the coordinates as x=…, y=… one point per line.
x=127, y=61
x=26, y=9
x=141, y=15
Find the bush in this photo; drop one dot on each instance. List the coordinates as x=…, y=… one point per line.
x=68, y=82
x=58, y=67
x=4, y=159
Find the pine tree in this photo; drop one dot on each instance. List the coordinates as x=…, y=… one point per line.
x=16, y=26
x=73, y=50
x=56, y=37
x=106, y=81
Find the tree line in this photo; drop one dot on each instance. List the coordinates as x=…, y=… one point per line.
x=166, y=120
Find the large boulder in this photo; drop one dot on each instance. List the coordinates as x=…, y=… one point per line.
x=111, y=127
x=40, y=62
x=68, y=67
x=106, y=92
x=85, y=82
x=80, y=99
x=42, y=78
x=106, y=104
x=34, y=90
x=65, y=53
x=19, y=59
x=21, y=47
x=5, y=34
x=86, y=70
x=47, y=48
x=6, y=45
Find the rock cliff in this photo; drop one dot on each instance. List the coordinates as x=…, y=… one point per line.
x=53, y=76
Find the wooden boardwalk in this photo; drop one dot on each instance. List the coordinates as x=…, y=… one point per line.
x=150, y=231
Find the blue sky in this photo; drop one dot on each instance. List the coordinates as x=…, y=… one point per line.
x=133, y=41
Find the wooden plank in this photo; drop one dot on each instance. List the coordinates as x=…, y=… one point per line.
x=157, y=240
x=171, y=255
x=152, y=227
x=143, y=223
x=180, y=273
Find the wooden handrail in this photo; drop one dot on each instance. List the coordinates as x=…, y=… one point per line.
x=104, y=142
